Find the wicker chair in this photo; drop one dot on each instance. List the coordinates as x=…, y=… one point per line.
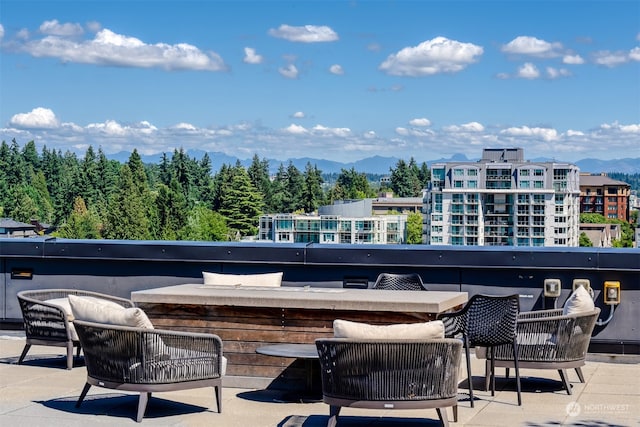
x=486, y=321
x=149, y=360
x=389, y=374
x=400, y=282
x=46, y=320
x=547, y=339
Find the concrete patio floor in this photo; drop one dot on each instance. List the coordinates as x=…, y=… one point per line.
x=41, y=392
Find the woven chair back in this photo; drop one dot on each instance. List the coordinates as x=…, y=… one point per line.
x=399, y=282
x=491, y=320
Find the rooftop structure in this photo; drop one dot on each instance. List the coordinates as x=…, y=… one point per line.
x=502, y=200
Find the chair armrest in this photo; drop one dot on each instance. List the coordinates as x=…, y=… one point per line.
x=454, y=323
x=148, y=356
x=537, y=314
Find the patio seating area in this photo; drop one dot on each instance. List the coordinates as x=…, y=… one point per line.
x=42, y=392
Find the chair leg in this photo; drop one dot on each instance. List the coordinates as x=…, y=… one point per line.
x=442, y=414
x=70, y=355
x=565, y=381
x=24, y=353
x=506, y=373
x=78, y=350
x=469, y=377
x=334, y=411
x=493, y=372
x=142, y=404
x=579, y=372
x=455, y=413
x=517, y=369
x=86, y=388
x=487, y=373
x=218, y=393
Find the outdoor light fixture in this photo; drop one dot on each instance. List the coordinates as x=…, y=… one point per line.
x=585, y=283
x=552, y=288
x=612, y=292
x=611, y=298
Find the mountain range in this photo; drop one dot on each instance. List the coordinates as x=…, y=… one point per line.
x=377, y=165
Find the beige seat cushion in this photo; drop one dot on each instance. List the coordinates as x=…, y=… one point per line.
x=408, y=331
x=102, y=311
x=579, y=302
x=261, y=279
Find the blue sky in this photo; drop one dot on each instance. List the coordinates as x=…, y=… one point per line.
x=338, y=80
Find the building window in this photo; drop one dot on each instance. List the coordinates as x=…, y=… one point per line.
x=472, y=172
x=538, y=172
x=538, y=184
x=524, y=184
x=457, y=184
x=524, y=172
x=458, y=172
x=472, y=183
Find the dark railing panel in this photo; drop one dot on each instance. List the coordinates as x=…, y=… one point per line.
x=120, y=267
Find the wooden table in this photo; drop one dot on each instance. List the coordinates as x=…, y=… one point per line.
x=247, y=318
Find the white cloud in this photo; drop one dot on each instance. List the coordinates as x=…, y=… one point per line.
x=1, y=31
x=467, y=127
x=112, y=49
x=336, y=69
x=528, y=71
x=54, y=28
x=250, y=56
x=420, y=122
x=546, y=134
x=573, y=59
x=634, y=54
x=298, y=115
x=610, y=59
x=184, y=126
x=531, y=46
x=296, y=129
x=571, y=133
x=38, y=118
x=323, y=130
x=304, y=34
x=556, y=73
x=439, y=55
x=290, y=71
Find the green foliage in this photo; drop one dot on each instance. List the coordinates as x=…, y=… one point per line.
x=204, y=224
x=241, y=204
x=585, y=241
x=414, y=228
x=351, y=185
x=81, y=224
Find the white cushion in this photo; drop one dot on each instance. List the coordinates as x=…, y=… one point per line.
x=262, y=279
x=63, y=303
x=579, y=302
x=408, y=331
x=102, y=311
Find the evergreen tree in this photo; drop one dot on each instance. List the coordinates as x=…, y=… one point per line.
x=241, y=204
x=25, y=207
x=312, y=192
x=81, y=224
x=351, y=185
x=127, y=215
x=295, y=188
x=280, y=196
x=259, y=175
x=405, y=180
x=172, y=211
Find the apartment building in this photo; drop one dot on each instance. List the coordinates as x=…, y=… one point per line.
x=372, y=229
x=502, y=200
x=605, y=196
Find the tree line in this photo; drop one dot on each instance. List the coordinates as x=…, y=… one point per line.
x=180, y=198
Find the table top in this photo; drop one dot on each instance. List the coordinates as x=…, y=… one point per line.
x=306, y=297
x=299, y=351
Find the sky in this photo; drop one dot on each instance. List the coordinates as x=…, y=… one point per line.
x=335, y=80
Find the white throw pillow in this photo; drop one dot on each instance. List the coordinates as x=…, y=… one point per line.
x=102, y=311
x=579, y=302
x=407, y=331
x=262, y=279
